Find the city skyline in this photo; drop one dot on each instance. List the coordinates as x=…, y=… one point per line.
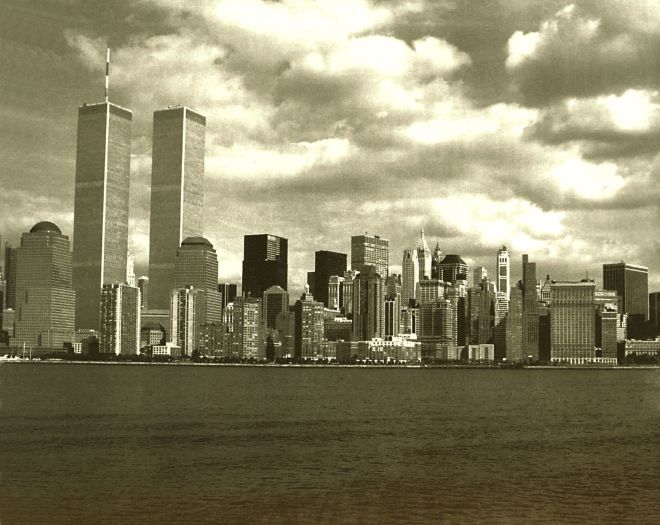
x=390, y=162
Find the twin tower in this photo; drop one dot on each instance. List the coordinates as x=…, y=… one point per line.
x=100, y=224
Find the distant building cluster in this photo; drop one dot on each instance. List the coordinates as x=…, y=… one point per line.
x=86, y=299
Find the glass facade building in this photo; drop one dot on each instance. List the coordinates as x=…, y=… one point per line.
x=45, y=300
x=100, y=224
x=177, y=194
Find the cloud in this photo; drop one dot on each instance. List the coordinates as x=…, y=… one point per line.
x=604, y=126
x=585, y=51
x=321, y=125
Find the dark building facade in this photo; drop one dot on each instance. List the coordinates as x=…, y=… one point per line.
x=631, y=283
x=452, y=268
x=228, y=292
x=265, y=260
x=654, y=308
x=326, y=264
x=530, y=326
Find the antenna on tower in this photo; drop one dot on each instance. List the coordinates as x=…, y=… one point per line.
x=107, y=72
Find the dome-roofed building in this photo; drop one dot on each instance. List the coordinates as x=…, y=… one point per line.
x=45, y=226
x=45, y=300
x=196, y=241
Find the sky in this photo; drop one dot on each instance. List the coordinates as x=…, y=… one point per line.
x=534, y=124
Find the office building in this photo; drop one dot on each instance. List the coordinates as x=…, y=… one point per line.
x=347, y=292
x=45, y=300
x=452, y=268
x=335, y=292
x=100, y=217
x=437, y=331
x=368, y=300
x=265, y=260
x=130, y=270
x=435, y=262
x=228, y=291
x=409, y=277
x=480, y=310
x=513, y=326
x=309, y=319
x=431, y=290
x=654, y=309
x=177, y=193
x=572, y=321
x=275, y=301
x=119, y=331
x=326, y=264
x=370, y=250
x=196, y=265
x=530, y=311
x=631, y=282
x=423, y=257
x=479, y=274
x=503, y=271
x=143, y=285
x=392, y=308
x=187, y=314
x=10, y=276
x=248, y=333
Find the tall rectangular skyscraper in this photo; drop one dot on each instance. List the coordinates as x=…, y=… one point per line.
x=631, y=282
x=177, y=194
x=370, y=250
x=326, y=264
x=265, y=261
x=100, y=222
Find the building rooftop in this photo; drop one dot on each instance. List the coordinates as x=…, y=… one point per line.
x=452, y=259
x=45, y=226
x=196, y=241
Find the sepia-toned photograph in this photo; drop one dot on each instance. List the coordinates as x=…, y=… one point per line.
x=335, y=262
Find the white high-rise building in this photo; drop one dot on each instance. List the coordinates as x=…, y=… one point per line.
x=424, y=257
x=130, y=270
x=410, y=276
x=503, y=271
x=119, y=325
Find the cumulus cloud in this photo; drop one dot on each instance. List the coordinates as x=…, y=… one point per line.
x=329, y=118
x=604, y=126
x=586, y=51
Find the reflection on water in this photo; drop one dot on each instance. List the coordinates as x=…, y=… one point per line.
x=159, y=444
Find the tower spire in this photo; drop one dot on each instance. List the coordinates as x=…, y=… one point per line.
x=107, y=72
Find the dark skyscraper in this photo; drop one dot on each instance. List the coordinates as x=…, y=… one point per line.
x=452, y=268
x=530, y=326
x=368, y=301
x=264, y=263
x=228, y=292
x=100, y=219
x=654, y=308
x=177, y=194
x=326, y=264
x=631, y=283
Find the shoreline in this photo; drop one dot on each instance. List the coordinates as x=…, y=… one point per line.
x=292, y=365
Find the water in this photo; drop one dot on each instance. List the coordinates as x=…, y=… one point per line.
x=183, y=444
